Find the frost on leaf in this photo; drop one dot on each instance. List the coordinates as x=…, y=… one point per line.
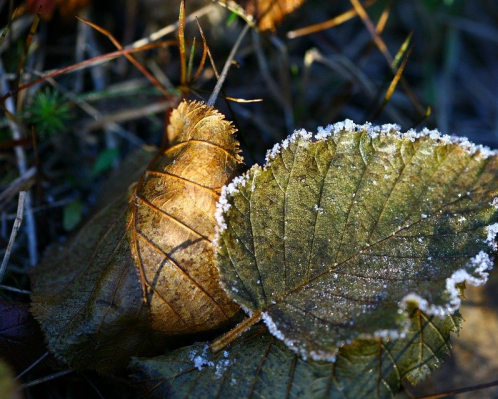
x=259, y=365
x=340, y=235
x=142, y=270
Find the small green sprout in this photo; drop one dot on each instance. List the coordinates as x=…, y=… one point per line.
x=49, y=113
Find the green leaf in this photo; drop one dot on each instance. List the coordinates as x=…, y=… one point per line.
x=104, y=161
x=259, y=365
x=337, y=236
x=72, y=214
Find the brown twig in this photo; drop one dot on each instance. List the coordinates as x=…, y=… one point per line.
x=90, y=62
x=181, y=44
x=7, y=27
x=211, y=59
x=171, y=28
x=346, y=16
x=235, y=332
x=128, y=56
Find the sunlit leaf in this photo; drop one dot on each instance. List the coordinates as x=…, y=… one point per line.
x=337, y=235
x=141, y=272
x=172, y=222
x=268, y=13
x=260, y=365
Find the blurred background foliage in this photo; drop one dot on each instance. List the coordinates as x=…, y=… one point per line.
x=75, y=129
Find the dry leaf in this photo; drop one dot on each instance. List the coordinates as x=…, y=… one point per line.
x=173, y=222
x=142, y=269
x=269, y=13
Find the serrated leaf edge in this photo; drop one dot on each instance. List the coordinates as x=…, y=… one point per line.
x=480, y=264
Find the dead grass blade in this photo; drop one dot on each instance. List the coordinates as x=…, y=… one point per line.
x=379, y=42
x=24, y=55
x=228, y=63
x=181, y=43
x=336, y=21
x=86, y=63
x=205, y=50
x=393, y=84
x=129, y=57
x=190, y=64
x=7, y=27
x=208, y=51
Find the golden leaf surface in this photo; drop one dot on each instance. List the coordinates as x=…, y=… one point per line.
x=269, y=13
x=173, y=222
x=141, y=270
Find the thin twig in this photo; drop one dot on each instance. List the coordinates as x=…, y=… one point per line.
x=211, y=59
x=392, y=85
x=171, y=28
x=460, y=390
x=228, y=63
x=128, y=114
x=45, y=379
x=90, y=62
x=22, y=166
x=200, y=68
x=128, y=56
x=13, y=234
x=22, y=183
x=381, y=45
x=336, y=21
x=32, y=365
x=14, y=289
x=282, y=93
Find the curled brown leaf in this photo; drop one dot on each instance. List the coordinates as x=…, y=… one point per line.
x=172, y=222
x=141, y=271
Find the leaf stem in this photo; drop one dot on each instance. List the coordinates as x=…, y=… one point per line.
x=235, y=332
